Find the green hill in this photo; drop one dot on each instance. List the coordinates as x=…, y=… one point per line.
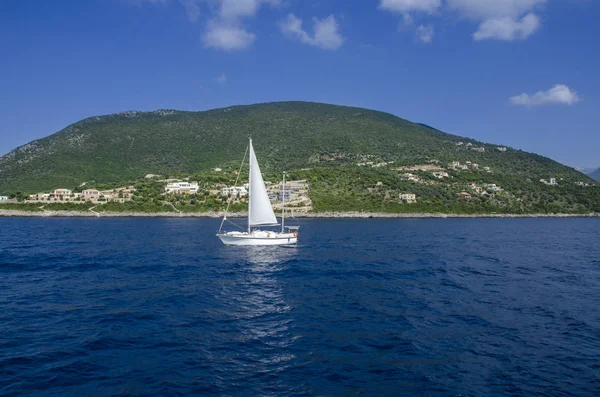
x=328, y=139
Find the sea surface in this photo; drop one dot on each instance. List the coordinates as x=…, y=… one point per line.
x=398, y=307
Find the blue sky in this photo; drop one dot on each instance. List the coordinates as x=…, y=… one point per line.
x=522, y=73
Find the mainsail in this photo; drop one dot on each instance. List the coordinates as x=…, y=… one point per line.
x=260, y=210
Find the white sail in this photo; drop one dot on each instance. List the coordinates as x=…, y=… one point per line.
x=259, y=208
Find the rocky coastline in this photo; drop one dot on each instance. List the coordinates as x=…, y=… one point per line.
x=331, y=215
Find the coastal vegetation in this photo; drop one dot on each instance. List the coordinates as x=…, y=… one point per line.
x=353, y=159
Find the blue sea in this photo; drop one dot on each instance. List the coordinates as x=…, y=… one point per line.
x=399, y=307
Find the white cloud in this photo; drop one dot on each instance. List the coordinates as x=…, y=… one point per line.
x=560, y=94
x=500, y=19
x=425, y=33
x=326, y=32
x=508, y=29
x=492, y=9
x=406, y=22
x=227, y=37
x=192, y=9
x=227, y=31
x=234, y=9
x=406, y=6
x=222, y=78
x=497, y=19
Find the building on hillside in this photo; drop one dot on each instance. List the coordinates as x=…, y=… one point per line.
x=410, y=177
x=90, y=194
x=494, y=188
x=284, y=196
x=478, y=149
x=408, y=198
x=441, y=175
x=3, y=198
x=239, y=191
x=501, y=149
x=217, y=170
x=464, y=195
x=181, y=188
x=552, y=181
x=60, y=193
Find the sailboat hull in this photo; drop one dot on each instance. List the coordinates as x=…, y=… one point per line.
x=258, y=239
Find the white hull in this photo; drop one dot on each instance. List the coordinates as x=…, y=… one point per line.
x=260, y=238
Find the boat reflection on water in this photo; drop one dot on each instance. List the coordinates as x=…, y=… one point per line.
x=260, y=317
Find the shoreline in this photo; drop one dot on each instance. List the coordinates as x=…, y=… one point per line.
x=326, y=215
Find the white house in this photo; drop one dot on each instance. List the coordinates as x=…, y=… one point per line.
x=60, y=193
x=408, y=197
x=410, y=177
x=3, y=198
x=240, y=191
x=181, y=188
x=441, y=175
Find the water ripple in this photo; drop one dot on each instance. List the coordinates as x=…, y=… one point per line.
x=132, y=307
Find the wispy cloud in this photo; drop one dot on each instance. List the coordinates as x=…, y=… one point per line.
x=498, y=19
x=222, y=78
x=425, y=33
x=507, y=28
x=192, y=9
x=407, y=6
x=326, y=32
x=506, y=20
x=560, y=94
x=226, y=28
x=226, y=31
x=227, y=37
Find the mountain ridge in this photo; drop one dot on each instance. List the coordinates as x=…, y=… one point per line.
x=287, y=135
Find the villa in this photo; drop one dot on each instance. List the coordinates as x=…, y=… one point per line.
x=441, y=175
x=61, y=193
x=240, y=191
x=179, y=187
x=410, y=198
x=91, y=194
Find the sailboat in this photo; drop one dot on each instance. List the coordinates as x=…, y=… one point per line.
x=260, y=214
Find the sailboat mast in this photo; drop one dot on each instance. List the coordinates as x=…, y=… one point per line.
x=249, y=182
x=283, y=203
